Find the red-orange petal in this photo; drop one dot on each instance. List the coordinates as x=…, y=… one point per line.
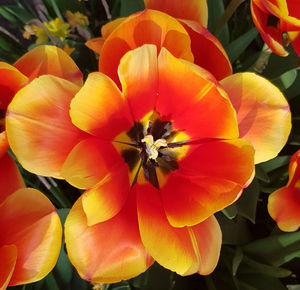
x=8, y=256
x=11, y=81
x=110, y=26
x=3, y=143
x=207, y=50
x=106, y=252
x=97, y=165
x=284, y=208
x=271, y=35
x=147, y=27
x=138, y=75
x=48, y=59
x=95, y=44
x=184, y=250
x=190, y=9
x=210, y=177
x=38, y=125
x=263, y=113
x=191, y=99
x=100, y=109
x=29, y=221
x=10, y=177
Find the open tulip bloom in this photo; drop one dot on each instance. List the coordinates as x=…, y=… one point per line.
x=278, y=22
x=157, y=156
x=30, y=229
x=284, y=203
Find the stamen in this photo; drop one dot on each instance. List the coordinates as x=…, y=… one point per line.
x=152, y=147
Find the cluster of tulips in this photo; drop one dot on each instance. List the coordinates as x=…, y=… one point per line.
x=160, y=138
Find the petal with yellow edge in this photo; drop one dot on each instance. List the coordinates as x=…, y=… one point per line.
x=11, y=80
x=106, y=178
x=284, y=203
x=29, y=221
x=8, y=256
x=106, y=252
x=138, y=75
x=100, y=109
x=10, y=177
x=207, y=50
x=263, y=113
x=38, y=125
x=147, y=27
x=186, y=250
x=184, y=9
x=284, y=208
x=48, y=59
x=270, y=33
x=193, y=106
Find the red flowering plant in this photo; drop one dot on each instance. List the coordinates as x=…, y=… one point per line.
x=155, y=161
x=170, y=149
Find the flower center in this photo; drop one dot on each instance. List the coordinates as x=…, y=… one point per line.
x=150, y=149
x=152, y=146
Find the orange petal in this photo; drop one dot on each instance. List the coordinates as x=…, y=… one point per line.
x=106, y=252
x=190, y=200
x=271, y=35
x=97, y=165
x=11, y=81
x=190, y=9
x=8, y=256
x=48, y=59
x=192, y=101
x=147, y=27
x=284, y=208
x=294, y=170
x=10, y=177
x=95, y=44
x=138, y=76
x=184, y=250
x=29, y=221
x=207, y=50
x=110, y=26
x=263, y=113
x=99, y=108
x=232, y=160
x=39, y=127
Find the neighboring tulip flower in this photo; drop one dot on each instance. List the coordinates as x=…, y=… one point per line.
x=185, y=39
x=157, y=158
x=278, y=22
x=30, y=229
x=284, y=203
x=38, y=61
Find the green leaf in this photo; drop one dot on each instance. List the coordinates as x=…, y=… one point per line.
x=237, y=259
x=215, y=10
x=259, y=281
x=230, y=211
x=284, y=81
x=275, y=250
x=294, y=90
x=251, y=266
x=275, y=163
x=247, y=203
x=235, y=48
x=20, y=13
x=131, y=6
x=261, y=174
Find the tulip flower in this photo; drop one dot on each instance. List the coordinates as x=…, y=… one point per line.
x=157, y=158
x=278, y=23
x=284, y=203
x=39, y=61
x=184, y=38
x=30, y=229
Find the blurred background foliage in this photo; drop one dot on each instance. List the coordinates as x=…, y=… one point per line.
x=255, y=253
